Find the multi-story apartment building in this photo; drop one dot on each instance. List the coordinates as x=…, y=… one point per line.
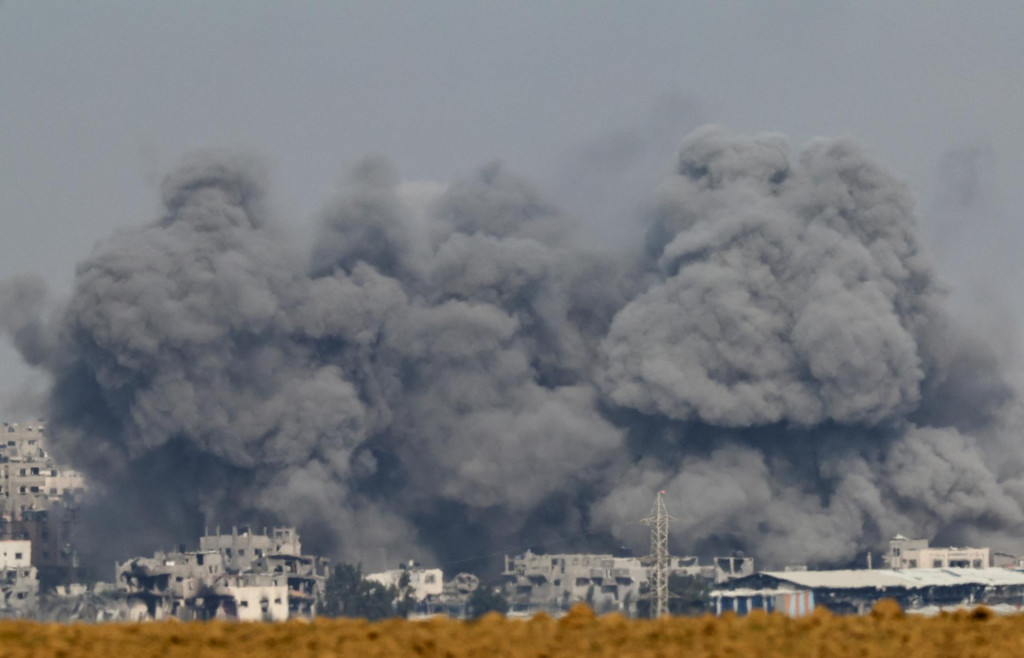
x=38, y=498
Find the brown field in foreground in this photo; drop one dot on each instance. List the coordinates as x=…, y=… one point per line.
x=886, y=632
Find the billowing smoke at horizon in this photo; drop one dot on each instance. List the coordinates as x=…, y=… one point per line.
x=461, y=378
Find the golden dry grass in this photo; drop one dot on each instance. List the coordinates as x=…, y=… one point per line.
x=886, y=632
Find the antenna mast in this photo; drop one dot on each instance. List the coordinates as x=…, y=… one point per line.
x=658, y=520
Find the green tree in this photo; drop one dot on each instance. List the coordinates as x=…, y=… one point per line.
x=484, y=600
x=405, y=603
x=349, y=595
x=688, y=595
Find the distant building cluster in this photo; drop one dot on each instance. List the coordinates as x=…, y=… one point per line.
x=250, y=575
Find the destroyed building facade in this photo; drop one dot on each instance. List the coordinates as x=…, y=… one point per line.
x=419, y=583
x=243, y=575
x=555, y=582
x=19, y=580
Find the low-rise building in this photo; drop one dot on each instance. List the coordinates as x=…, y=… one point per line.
x=19, y=580
x=907, y=553
x=855, y=591
x=606, y=582
x=418, y=582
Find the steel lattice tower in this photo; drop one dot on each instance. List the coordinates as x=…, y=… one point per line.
x=658, y=520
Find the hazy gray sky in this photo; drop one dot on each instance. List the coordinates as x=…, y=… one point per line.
x=98, y=100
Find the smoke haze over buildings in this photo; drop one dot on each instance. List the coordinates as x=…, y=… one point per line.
x=448, y=372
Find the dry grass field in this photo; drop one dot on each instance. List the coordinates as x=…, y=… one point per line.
x=886, y=632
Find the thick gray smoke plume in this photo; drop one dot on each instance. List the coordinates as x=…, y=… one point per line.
x=467, y=380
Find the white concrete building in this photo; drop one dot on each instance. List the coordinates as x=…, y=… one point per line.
x=19, y=580
x=259, y=602
x=907, y=553
x=422, y=583
x=15, y=554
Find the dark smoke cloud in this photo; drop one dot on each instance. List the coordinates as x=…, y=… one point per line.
x=460, y=377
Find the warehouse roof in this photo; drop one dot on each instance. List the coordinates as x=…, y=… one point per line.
x=898, y=578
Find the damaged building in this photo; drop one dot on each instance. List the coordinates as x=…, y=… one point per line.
x=428, y=590
x=38, y=500
x=605, y=582
x=19, y=580
x=907, y=553
x=855, y=591
x=419, y=583
x=243, y=575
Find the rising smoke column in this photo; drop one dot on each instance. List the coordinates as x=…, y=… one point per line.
x=796, y=327
x=448, y=383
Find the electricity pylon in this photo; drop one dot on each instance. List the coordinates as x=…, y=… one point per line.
x=658, y=520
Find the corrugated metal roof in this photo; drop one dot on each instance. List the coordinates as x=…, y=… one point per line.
x=746, y=591
x=903, y=578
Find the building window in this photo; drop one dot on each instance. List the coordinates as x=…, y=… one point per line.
x=35, y=470
x=22, y=472
x=53, y=491
x=937, y=564
x=912, y=564
x=35, y=489
x=17, y=556
x=53, y=472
